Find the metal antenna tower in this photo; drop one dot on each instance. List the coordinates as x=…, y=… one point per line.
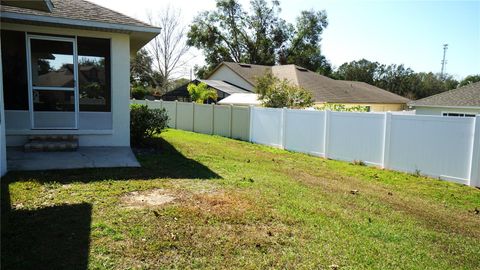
x=444, y=61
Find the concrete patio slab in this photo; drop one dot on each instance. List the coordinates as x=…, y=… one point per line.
x=84, y=157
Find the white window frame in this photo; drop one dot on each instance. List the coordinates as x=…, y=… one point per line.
x=460, y=114
x=31, y=88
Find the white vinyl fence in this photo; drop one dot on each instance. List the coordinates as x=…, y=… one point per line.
x=444, y=147
x=436, y=146
x=223, y=120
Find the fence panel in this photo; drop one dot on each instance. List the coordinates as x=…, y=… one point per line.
x=240, y=123
x=356, y=136
x=139, y=101
x=171, y=109
x=154, y=104
x=434, y=145
x=222, y=119
x=304, y=131
x=203, y=118
x=185, y=116
x=267, y=126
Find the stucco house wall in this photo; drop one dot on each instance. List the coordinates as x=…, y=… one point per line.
x=96, y=128
x=382, y=107
x=423, y=110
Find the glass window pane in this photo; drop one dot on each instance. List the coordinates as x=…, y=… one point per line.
x=52, y=63
x=94, y=74
x=53, y=100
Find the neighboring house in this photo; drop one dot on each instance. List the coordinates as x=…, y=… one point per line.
x=324, y=89
x=463, y=101
x=66, y=71
x=223, y=88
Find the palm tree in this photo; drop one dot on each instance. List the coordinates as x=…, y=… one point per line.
x=201, y=92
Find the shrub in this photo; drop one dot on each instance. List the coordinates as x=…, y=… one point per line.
x=139, y=92
x=145, y=123
x=342, y=108
x=201, y=92
x=277, y=93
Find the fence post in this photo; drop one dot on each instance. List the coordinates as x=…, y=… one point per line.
x=386, y=140
x=326, y=133
x=213, y=118
x=283, y=127
x=231, y=120
x=193, y=116
x=250, y=128
x=475, y=162
x=176, y=114
x=161, y=103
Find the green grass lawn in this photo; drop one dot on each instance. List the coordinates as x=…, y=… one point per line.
x=237, y=205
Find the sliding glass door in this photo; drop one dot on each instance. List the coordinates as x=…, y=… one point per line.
x=53, y=82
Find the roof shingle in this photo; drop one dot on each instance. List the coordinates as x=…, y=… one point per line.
x=79, y=10
x=466, y=96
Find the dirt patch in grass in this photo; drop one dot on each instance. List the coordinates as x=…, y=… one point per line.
x=147, y=198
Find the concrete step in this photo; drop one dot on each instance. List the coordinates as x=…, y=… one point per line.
x=50, y=146
x=53, y=138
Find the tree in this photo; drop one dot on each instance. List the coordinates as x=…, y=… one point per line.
x=395, y=78
x=362, y=70
x=304, y=49
x=141, y=72
x=201, y=92
x=277, y=93
x=470, y=79
x=258, y=36
x=169, y=49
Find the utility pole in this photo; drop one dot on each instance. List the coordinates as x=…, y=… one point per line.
x=444, y=61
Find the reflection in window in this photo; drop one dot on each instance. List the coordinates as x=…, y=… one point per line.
x=52, y=63
x=53, y=100
x=94, y=74
x=15, y=87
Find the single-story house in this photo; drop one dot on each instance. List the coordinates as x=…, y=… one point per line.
x=65, y=71
x=461, y=102
x=324, y=89
x=223, y=88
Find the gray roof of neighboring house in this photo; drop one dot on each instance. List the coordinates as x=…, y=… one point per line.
x=465, y=96
x=323, y=88
x=80, y=10
x=224, y=86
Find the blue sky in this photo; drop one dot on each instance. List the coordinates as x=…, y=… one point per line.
x=401, y=32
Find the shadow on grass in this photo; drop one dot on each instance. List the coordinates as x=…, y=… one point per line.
x=162, y=160
x=56, y=237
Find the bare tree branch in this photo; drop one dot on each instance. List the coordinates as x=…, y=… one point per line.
x=169, y=49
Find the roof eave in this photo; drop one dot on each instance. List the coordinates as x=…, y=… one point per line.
x=445, y=106
x=140, y=35
x=13, y=16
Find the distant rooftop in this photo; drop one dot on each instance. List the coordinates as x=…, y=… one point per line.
x=465, y=96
